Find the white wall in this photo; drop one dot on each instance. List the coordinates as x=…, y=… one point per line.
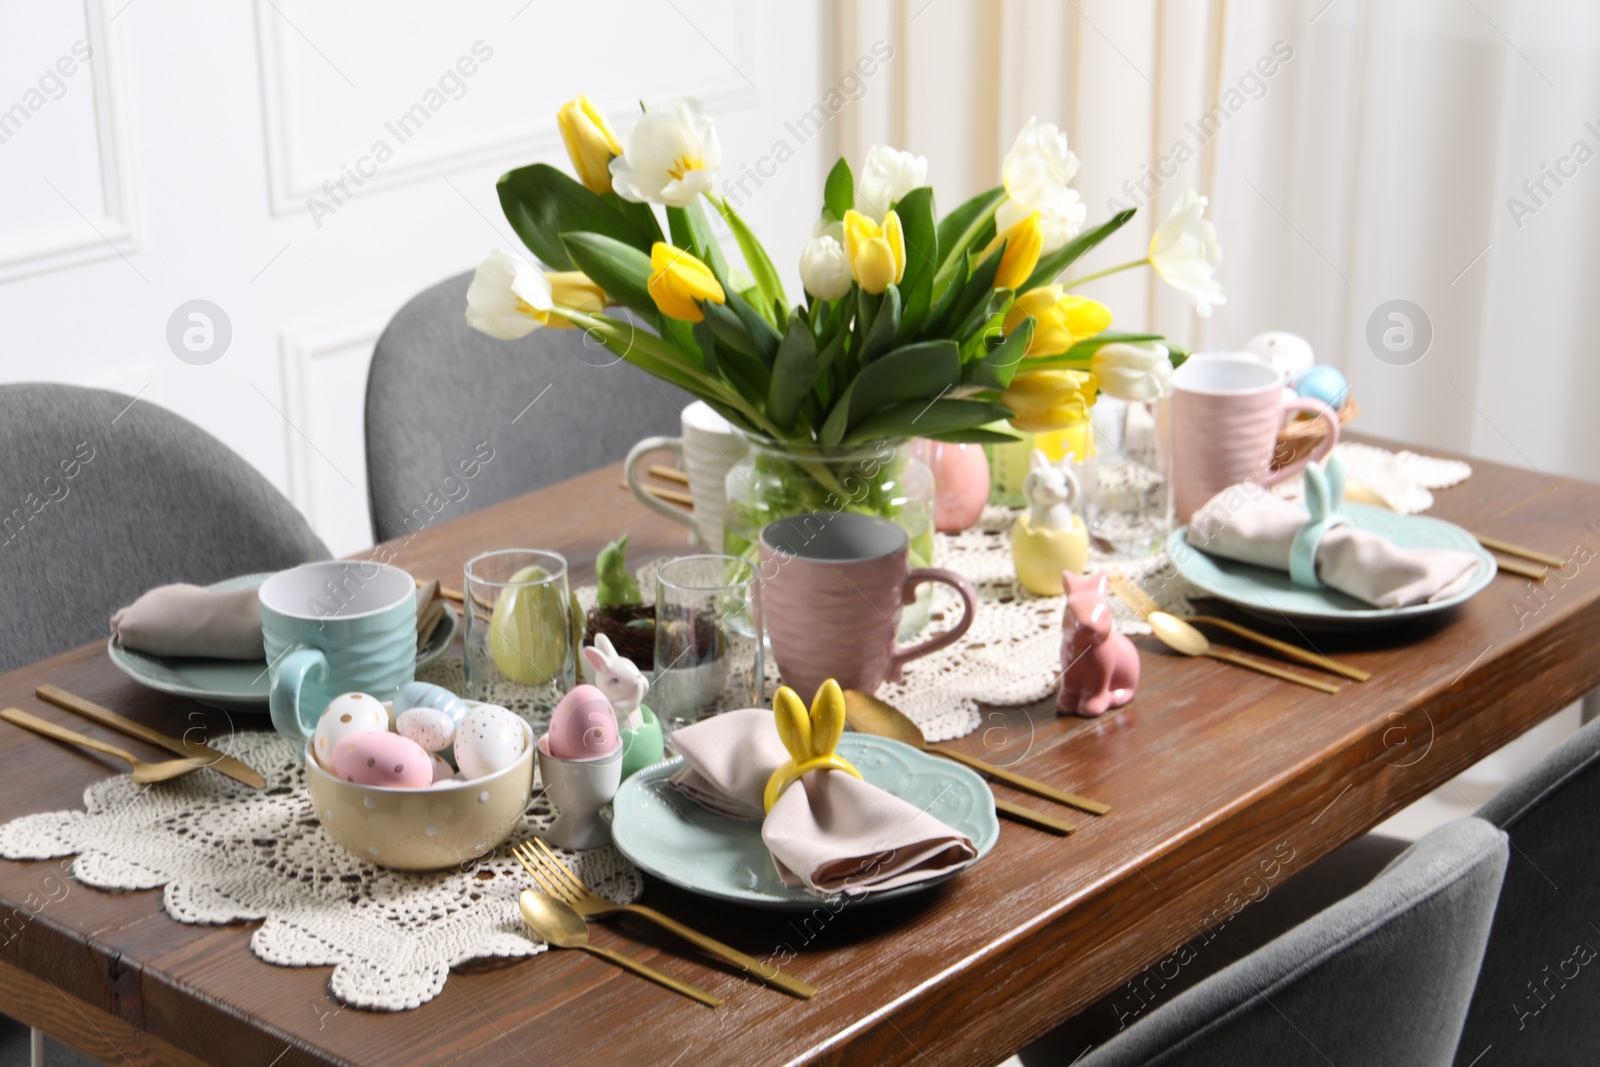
x=186, y=160
x=181, y=164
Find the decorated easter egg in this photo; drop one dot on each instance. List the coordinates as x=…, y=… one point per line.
x=583, y=726
x=528, y=630
x=428, y=695
x=431, y=728
x=489, y=739
x=1323, y=383
x=1288, y=353
x=382, y=759
x=347, y=715
x=442, y=771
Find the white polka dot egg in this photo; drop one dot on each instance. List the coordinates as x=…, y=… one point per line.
x=489, y=739
x=347, y=715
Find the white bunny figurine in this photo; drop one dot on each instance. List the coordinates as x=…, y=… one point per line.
x=622, y=683
x=1050, y=491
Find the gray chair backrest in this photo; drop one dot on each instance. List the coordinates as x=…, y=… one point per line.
x=457, y=421
x=1538, y=995
x=105, y=497
x=1382, y=977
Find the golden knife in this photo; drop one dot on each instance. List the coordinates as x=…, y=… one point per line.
x=220, y=762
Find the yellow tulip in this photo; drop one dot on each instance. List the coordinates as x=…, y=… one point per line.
x=1059, y=321
x=678, y=281
x=576, y=290
x=590, y=142
x=1046, y=400
x=1023, y=241
x=877, y=253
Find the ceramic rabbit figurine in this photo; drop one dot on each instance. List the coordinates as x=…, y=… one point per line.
x=1099, y=666
x=1049, y=538
x=624, y=686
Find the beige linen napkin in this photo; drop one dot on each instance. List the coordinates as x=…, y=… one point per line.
x=1251, y=525
x=830, y=832
x=186, y=620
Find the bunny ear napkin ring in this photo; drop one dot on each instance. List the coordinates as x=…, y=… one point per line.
x=1324, y=501
x=810, y=738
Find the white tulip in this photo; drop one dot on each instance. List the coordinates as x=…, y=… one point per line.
x=1136, y=372
x=1035, y=173
x=509, y=297
x=672, y=155
x=888, y=175
x=1186, y=254
x=1061, y=215
x=825, y=268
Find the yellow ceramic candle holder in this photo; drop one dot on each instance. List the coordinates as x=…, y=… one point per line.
x=810, y=739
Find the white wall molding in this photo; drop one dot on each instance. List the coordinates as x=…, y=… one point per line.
x=110, y=233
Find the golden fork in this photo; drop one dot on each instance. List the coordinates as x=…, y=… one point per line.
x=1142, y=605
x=553, y=876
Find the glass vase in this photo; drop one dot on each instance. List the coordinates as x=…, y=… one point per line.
x=778, y=479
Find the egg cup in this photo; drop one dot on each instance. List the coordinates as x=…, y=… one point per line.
x=579, y=789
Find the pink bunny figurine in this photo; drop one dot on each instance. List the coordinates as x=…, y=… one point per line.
x=1099, y=666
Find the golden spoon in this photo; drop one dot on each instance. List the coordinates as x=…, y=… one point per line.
x=143, y=772
x=558, y=924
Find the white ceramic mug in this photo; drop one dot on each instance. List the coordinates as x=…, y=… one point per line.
x=707, y=449
x=1227, y=412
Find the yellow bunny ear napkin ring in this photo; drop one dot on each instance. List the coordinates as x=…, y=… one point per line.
x=810, y=739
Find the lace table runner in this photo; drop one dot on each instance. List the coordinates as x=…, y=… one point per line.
x=226, y=853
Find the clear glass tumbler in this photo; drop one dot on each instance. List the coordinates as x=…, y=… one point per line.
x=519, y=650
x=1129, y=481
x=708, y=639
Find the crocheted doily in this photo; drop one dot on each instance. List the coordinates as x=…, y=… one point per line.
x=227, y=853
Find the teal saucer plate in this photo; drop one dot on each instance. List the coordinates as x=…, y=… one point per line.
x=234, y=685
x=1271, y=596
x=678, y=841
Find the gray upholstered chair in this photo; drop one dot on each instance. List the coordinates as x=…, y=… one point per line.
x=1540, y=984
x=1383, y=976
x=104, y=497
x=442, y=396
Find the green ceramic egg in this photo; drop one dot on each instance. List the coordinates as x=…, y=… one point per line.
x=528, y=635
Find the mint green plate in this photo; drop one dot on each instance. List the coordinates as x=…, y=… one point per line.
x=230, y=684
x=1271, y=596
x=678, y=841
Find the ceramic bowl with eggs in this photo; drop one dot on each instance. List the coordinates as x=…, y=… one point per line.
x=385, y=798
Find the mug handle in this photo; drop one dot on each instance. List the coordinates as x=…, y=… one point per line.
x=908, y=595
x=288, y=679
x=654, y=503
x=1328, y=415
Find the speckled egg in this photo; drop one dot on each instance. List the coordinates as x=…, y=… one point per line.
x=583, y=726
x=347, y=715
x=1287, y=353
x=382, y=759
x=442, y=771
x=1323, y=383
x=489, y=739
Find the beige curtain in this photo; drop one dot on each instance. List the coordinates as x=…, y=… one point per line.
x=1357, y=153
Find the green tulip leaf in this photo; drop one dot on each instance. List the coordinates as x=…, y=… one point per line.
x=880, y=336
x=1080, y=354
x=691, y=230
x=839, y=194
x=1051, y=266
x=617, y=267
x=543, y=204
x=760, y=265
x=792, y=374
x=995, y=368
x=922, y=258
x=925, y=370
x=924, y=418
x=970, y=225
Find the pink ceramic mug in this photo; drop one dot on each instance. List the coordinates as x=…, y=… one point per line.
x=1227, y=412
x=832, y=586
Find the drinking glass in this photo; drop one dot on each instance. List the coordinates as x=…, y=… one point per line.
x=1129, y=481
x=708, y=638
x=519, y=650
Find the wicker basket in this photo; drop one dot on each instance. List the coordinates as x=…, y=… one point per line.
x=1304, y=436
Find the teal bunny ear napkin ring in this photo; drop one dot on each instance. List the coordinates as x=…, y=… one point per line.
x=1325, y=504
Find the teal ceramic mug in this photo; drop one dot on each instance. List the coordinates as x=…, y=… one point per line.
x=337, y=626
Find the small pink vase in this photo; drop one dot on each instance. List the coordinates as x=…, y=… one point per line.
x=960, y=483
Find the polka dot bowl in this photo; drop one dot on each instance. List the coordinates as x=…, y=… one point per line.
x=423, y=829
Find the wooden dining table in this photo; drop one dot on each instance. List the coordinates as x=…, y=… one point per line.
x=1220, y=782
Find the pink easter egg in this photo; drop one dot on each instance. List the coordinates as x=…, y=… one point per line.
x=960, y=484
x=383, y=759
x=583, y=726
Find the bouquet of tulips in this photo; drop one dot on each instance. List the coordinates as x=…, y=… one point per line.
x=951, y=328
